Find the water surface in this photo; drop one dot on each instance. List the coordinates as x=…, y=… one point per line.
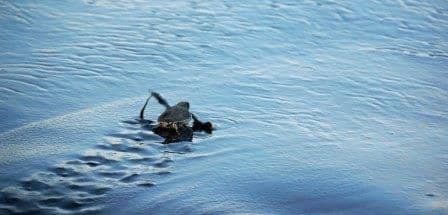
x=320, y=106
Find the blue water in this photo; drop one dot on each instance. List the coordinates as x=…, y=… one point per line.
x=321, y=107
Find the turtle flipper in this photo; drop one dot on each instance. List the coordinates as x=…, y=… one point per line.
x=142, y=111
x=160, y=99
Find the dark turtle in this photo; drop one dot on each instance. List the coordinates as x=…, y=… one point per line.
x=173, y=123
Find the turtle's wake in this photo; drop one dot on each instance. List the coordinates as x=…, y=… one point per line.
x=132, y=157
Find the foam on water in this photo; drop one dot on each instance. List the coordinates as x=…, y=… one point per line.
x=321, y=106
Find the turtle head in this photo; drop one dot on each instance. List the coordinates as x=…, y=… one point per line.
x=201, y=126
x=207, y=127
x=185, y=105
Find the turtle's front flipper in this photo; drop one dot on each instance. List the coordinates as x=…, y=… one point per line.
x=142, y=112
x=160, y=99
x=201, y=126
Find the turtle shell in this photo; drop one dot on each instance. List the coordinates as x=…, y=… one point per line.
x=178, y=113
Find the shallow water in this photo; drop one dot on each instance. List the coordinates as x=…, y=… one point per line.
x=320, y=107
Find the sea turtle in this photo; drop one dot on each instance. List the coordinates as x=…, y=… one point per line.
x=174, y=122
